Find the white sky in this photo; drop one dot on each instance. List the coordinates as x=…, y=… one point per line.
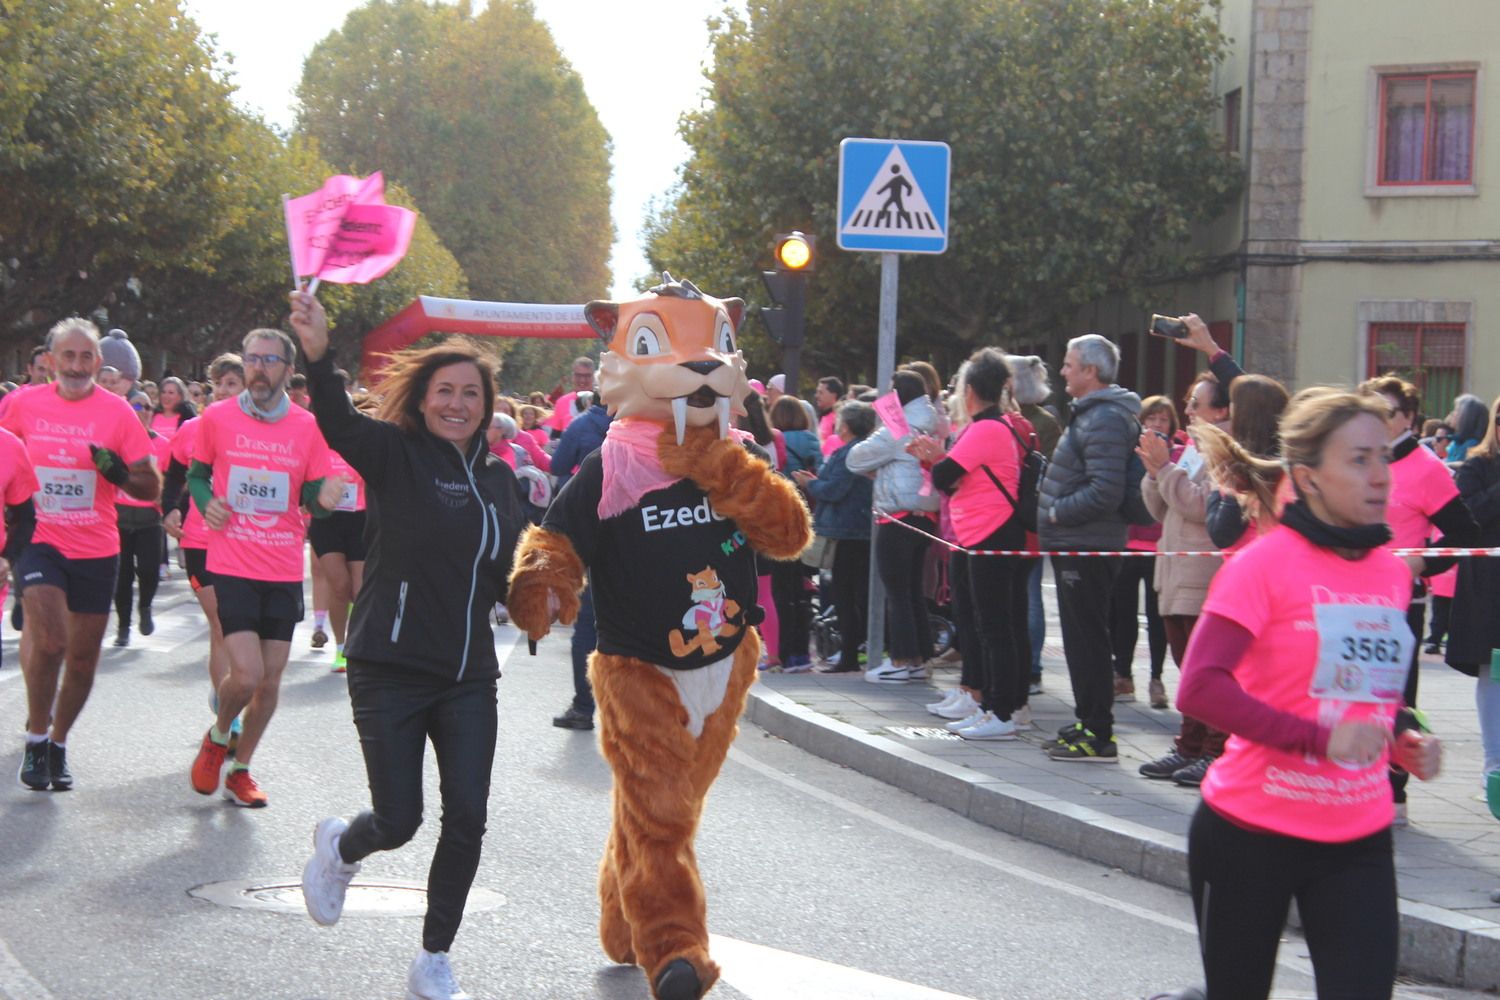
x=641, y=63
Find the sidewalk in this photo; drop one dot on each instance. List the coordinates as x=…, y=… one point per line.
x=1447, y=860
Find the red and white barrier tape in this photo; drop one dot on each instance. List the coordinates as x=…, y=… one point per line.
x=1427, y=553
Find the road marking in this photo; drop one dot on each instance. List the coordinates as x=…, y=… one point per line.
x=15, y=982
x=763, y=973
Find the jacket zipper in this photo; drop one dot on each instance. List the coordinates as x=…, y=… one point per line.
x=495, y=518
x=400, y=612
x=484, y=531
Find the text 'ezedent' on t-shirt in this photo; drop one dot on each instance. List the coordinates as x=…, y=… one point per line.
x=17, y=478
x=259, y=469
x=75, y=506
x=674, y=581
x=1331, y=644
x=978, y=508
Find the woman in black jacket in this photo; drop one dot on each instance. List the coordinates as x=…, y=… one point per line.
x=1474, y=628
x=444, y=516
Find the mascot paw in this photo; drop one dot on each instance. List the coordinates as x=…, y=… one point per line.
x=678, y=981
x=687, y=458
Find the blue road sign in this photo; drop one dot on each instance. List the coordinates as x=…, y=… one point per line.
x=893, y=195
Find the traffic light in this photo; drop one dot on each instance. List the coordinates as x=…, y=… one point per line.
x=787, y=285
x=793, y=251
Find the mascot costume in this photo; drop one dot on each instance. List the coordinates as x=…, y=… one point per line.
x=666, y=517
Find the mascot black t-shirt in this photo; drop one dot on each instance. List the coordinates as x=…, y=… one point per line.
x=684, y=577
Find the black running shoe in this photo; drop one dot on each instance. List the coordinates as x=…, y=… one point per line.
x=1067, y=734
x=1162, y=768
x=57, y=762
x=147, y=626
x=122, y=637
x=574, y=718
x=35, y=773
x=1193, y=774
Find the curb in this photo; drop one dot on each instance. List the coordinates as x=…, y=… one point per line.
x=1436, y=944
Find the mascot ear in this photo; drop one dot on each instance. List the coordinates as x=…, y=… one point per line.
x=603, y=316
x=736, y=310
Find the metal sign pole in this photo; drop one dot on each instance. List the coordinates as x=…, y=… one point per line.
x=885, y=367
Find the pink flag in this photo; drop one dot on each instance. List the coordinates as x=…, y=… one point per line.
x=888, y=408
x=344, y=232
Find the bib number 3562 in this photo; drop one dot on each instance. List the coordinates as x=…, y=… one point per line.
x=1364, y=652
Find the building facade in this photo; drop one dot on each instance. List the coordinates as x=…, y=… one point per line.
x=1367, y=238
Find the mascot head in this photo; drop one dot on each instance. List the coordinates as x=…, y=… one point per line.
x=671, y=356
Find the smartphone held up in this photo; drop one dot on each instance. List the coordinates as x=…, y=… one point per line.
x=1168, y=326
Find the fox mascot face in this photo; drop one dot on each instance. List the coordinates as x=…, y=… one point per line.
x=672, y=356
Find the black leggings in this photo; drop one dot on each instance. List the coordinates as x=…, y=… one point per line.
x=899, y=558
x=140, y=558
x=997, y=601
x=397, y=710
x=1124, y=624
x=793, y=608
x=1242, y=882
x=851, y=596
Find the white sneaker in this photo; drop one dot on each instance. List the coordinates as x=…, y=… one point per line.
x=326, y=876
x=964, y=707
x=918, y=672
x=949, y=697
x=888, y=673
x=1022, y=718
x=430, y=977
x=992, y=728
x=972, y=719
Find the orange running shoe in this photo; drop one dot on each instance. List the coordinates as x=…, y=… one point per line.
x=208, y=765
x=241, y=790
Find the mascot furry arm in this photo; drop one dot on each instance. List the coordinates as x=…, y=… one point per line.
x=666, y=517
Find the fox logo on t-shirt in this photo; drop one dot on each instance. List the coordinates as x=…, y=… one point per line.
x=707, y=618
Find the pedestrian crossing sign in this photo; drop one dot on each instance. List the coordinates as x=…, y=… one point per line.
x=893, y=195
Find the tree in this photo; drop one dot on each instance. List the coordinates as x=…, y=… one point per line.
x=1083, y=152
x=488, y=127
x=112, y=148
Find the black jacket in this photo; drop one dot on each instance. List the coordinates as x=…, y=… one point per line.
x=1474, y=628
x=438, y=560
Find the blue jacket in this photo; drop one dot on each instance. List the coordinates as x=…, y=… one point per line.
x=802, y=451
x=582, y=437
x=843, y=499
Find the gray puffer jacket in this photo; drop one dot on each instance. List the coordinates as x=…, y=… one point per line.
x=898, y=475
x=1080, y=499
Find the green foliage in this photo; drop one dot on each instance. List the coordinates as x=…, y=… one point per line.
x=135, y=192
x=488, y=127
x=1083, y=152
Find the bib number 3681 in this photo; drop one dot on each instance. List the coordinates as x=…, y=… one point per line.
x=1364, y=652
x=258, y=491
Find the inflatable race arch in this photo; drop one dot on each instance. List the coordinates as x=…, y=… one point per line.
x=429, y=314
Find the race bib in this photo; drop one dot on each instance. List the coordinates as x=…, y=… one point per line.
x=259, y=491
x=349, y=499
x=1364, y=652
x=65, y=489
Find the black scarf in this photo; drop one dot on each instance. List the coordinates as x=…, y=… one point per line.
x=1300, y=519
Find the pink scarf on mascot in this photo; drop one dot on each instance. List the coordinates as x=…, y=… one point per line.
x=632, y=467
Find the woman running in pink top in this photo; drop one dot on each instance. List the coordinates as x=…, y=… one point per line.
x=1301, y=655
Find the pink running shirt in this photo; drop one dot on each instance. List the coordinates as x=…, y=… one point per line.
x=1296, y=599
x=259, y=470
x=977, y=507
x=1421, y=485
x=194, y=531
x=353, y=497
x=165, y=424
x=19, y=481
x=75, y=506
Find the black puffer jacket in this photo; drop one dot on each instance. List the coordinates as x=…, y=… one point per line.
x=1474, y=628
x=442, y=528
x=1079, y=506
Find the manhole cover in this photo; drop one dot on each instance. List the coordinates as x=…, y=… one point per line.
x=365, y=899
x=922, y=733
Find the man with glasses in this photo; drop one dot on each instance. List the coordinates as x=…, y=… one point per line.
x=255, y=460
x=86, y=447
x=563, y=411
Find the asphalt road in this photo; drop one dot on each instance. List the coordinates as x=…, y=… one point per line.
x=823, y=884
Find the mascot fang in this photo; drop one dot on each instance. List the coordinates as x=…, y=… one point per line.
x=666, y=518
